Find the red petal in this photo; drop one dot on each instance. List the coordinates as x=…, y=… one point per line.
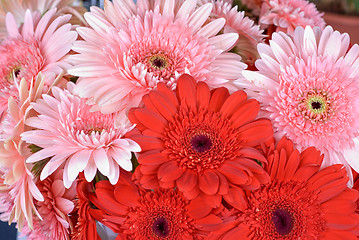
x=127, y=196
x=186, y=90
x=339, y=206
x=232, y=102
x=203, y=94
x=149, y=169
x=187, y=181
x=233, y=174
x=245, y=113
x=337, y=235
x=236, y=198
x=256, y=132
x=170, y=95
x=148, y=143
x=223, y=184
x=163, y=105
x=340, y=221
x=149, y=181
x=209, y=182
x=197, y=208
x=210, y=219
x=169, y=171
x=219, y=96
x=152, y=157
x=311, y=156
x=213, y=200
x=133, y=119
x=151, y=119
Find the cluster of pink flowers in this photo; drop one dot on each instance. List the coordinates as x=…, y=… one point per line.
x=177, y=119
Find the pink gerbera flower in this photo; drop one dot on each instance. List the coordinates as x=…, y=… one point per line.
x=18, y=184
x=18, y=188
x=92, y=140
x=55, y=209
x=309, y=87
x=39, y=45
x=130, y=48
x=236, y=22
x=287, y=15
x=18, y=9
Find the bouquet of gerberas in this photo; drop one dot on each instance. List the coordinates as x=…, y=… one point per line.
x=183, y=119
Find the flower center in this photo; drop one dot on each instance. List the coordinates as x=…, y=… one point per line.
x=160, y=227
x=283, y=221
x=201, y=140
x=285, y=210
x=315, y=105
x=201, y=143
x=90, y=122
x=158, y=61
x=19, y=59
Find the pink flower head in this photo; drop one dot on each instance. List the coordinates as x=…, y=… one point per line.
x=18, y=184
x=287, y=15
x=18, y=9
x=40, y=44
x=309, y=86
x=236, y=22
x=55, y=209
x=71, y=134
x=130, y=48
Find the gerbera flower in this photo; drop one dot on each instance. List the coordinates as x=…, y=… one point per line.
x=131, y=48
x=287, y=15
x=201, y=141
x=85, y=227
x=19, y=183
x=92, y=140
x=55, y=209
x=236, y=22
x=18, y=9
x=308, y=85
x=138, y=214
x=39, y=45
x=18, y=186
x=301, y=202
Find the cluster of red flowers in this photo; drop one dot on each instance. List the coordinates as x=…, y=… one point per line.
x=210, y=169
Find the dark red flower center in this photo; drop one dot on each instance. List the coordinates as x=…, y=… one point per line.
x=316, y=105
x=283, y=221
x=160, y=227
x=201, y=143
x=158, y=61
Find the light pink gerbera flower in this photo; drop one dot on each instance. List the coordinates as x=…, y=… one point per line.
x=17, y=189
x=18, y=9
x=249, y=33
x=18, y=184
x=55, y=209
x=309, y=87
x=71, y=134
x=40, y=44
x=287, y=15
x=130, y=48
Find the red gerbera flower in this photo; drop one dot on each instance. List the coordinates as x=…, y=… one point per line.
x=139, y=214
x=85, y=228
x=201, y=141
x=301, y=202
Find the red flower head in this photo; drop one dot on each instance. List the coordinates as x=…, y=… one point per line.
x=137, y=214
x=85, y=228
x=301, y=202
x=201, y=141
